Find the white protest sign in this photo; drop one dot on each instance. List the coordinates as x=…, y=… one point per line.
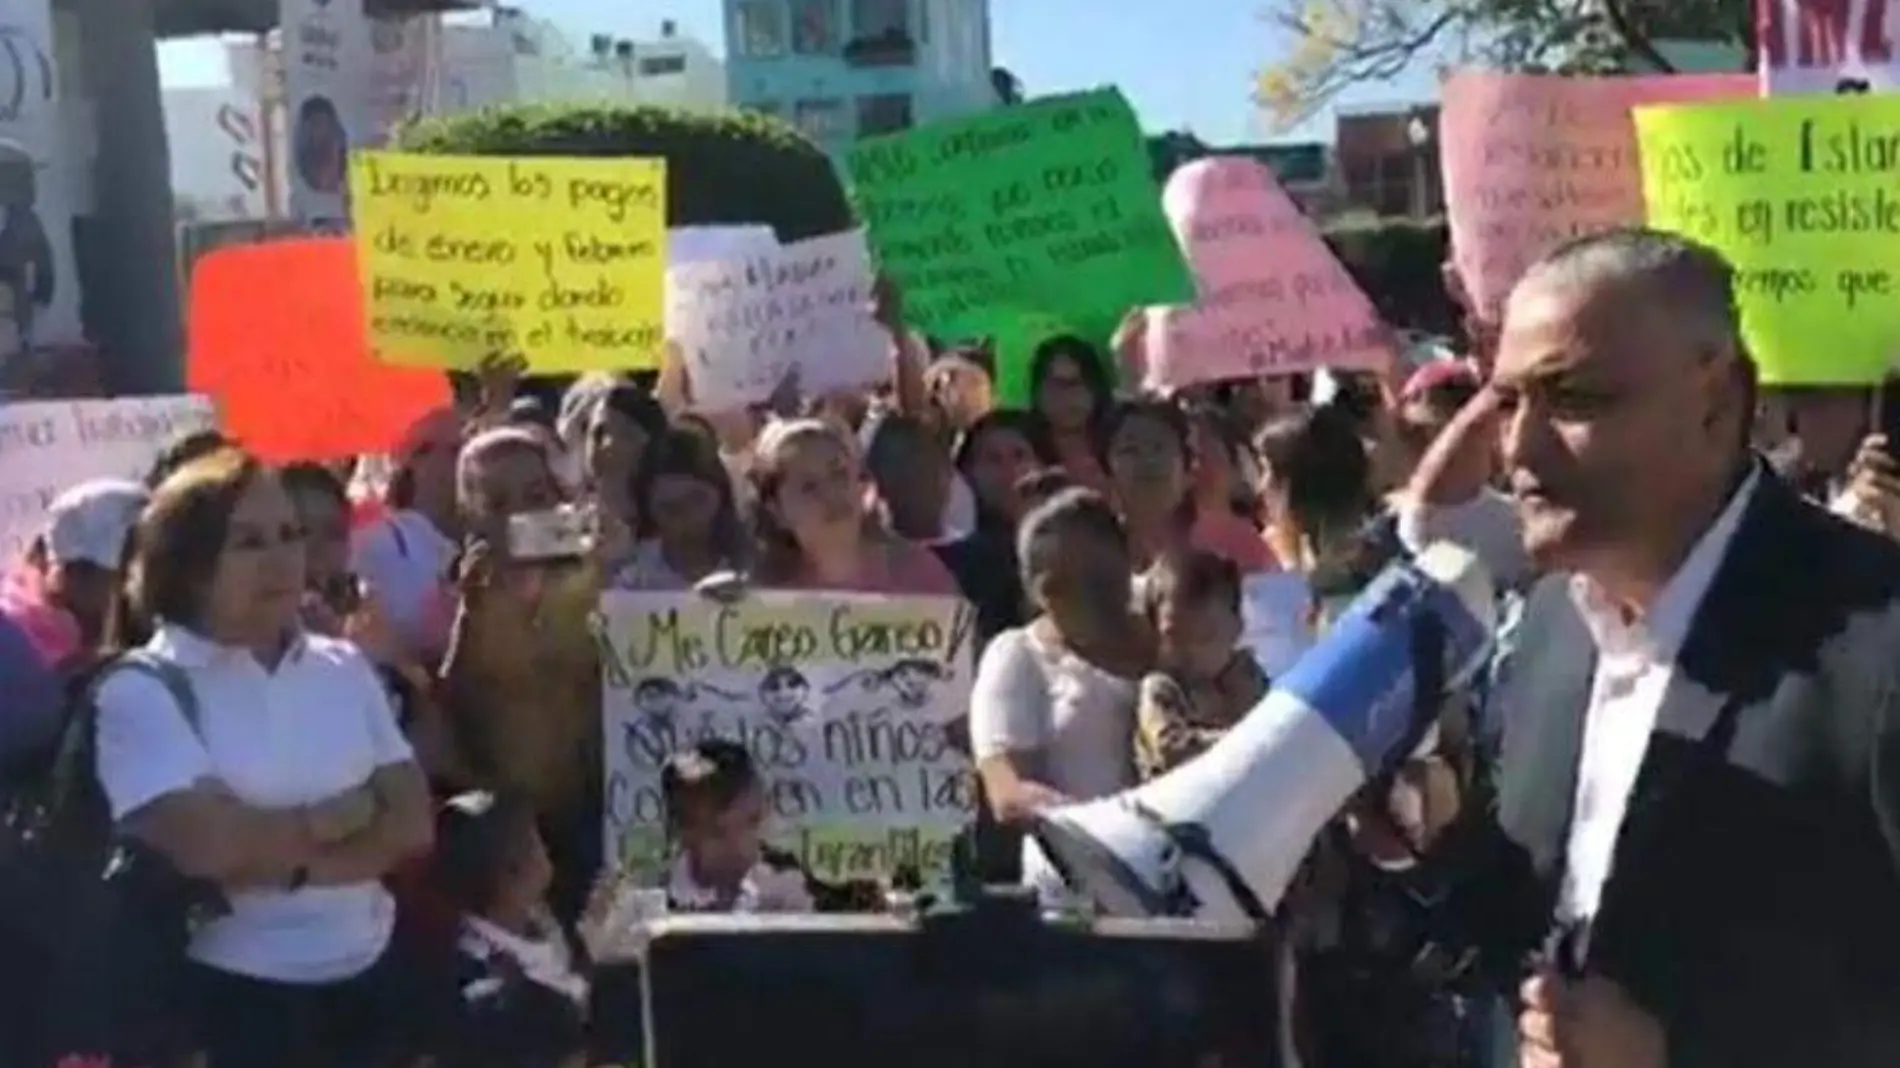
x=742, y=322
x=1274, y=299
x=48, y=447
x=1827, y=46
x=698, y=244
x=844, y=700
x=1274, y=610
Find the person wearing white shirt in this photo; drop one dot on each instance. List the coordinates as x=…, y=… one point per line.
x=284, y=779
x=1693, y=853
x=1635, y=659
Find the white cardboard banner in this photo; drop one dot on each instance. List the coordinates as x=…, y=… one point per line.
x=48, y=447
x=845, y=702
x=743, y=322
x=1827, y=46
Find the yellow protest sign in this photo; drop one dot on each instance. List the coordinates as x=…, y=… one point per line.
x=1800, y=194
x=559, y=261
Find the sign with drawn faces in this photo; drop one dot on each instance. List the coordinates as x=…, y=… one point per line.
x=846, y=703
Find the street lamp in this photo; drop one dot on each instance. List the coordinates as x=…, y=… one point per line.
x=1419, y=135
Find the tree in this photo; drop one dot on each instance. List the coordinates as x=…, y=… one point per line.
x=1339, y=43
x=735, y=167
x=1008, y=87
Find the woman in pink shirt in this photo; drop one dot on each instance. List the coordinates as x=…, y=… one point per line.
x=810, y=526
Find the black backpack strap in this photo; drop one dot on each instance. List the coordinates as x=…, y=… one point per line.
x=76, y=747
x=168, y=674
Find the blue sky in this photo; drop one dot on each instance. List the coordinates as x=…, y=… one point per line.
x=1184, y=63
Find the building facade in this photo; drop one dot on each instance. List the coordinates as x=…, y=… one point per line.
x=1303, y=168
x=220, y=159
x=844, y=69
x=1388, y=160
x=229, y=150
x=502, y=56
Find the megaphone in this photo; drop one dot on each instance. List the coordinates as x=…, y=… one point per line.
x=1220, y=837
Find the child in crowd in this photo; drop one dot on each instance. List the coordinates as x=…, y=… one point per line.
x=1204, y=684
x=520, y=988
x=715, y=809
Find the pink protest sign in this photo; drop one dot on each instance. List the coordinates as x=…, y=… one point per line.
x=1533, y=160
x=1274, y=299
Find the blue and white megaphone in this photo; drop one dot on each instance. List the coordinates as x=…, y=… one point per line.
x=1220, y=837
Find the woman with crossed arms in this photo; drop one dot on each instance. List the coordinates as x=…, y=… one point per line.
x=294, y=791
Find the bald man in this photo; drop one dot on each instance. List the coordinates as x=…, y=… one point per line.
x=1695, y=838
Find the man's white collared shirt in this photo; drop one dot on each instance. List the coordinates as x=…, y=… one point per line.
x=1635, y=659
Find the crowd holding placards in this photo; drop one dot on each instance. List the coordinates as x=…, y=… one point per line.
x=413, y=679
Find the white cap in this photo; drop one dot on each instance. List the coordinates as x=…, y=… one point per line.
x=89, y=522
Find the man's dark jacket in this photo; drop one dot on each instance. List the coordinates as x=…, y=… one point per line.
x=1753, y=904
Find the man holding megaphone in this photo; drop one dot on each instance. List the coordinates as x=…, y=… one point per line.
x=1694, y=851
x=1692, y=854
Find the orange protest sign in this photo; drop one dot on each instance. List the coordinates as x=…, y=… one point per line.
x=276, y=337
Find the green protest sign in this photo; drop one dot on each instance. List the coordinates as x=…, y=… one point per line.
x=1048, y=207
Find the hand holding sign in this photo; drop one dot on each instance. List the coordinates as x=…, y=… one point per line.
x=1274, y=300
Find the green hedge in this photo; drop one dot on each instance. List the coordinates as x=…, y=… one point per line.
x=1398, y=262
x=729, y=168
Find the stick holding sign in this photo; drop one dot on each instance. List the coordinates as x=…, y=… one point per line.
x=559, y=261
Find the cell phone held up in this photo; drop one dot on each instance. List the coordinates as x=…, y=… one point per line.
x=557, y=534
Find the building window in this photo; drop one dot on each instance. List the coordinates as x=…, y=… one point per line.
x=655, y=66
x=880, y=34
x=923, y=21
x=814, y=27
x=820, y=120
x=761, y=27
x=883, y=113
x=880, y=18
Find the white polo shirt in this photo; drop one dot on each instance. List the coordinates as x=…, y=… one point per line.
x=319, y=724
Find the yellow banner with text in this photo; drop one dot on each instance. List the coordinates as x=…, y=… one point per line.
x=559, y=262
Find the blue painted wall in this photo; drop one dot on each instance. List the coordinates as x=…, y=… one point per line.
x=916, y=61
